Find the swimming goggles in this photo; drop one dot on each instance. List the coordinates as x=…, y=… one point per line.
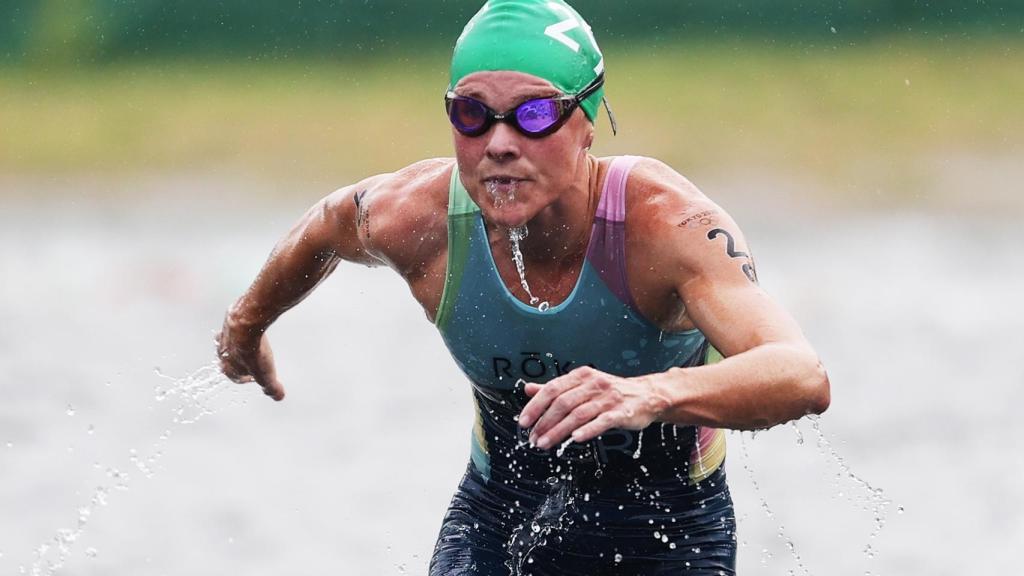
x=534, y=118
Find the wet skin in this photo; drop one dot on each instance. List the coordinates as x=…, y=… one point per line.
x=689, y=266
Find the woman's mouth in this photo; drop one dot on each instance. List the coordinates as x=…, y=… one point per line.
x=502, y=189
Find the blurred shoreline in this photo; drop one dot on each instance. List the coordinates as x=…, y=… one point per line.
x=901, y=121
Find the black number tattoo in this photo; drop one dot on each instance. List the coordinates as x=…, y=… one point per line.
x=730, y=249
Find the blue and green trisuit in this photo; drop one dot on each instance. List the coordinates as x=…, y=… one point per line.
x=589, y=507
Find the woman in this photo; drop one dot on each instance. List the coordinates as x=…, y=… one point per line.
x=586, y=299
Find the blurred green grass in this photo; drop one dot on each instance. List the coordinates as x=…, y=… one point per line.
x=825, y=111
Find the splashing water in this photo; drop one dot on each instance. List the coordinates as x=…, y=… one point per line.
x=549, y=519
x=700, y=457
x=502, y=192
x=195, y=393
x=863, y=496
x=561, y=449
x=639, y=445
x=765, y=555
x=515, y=236
x=874, y=499
x=799, y=434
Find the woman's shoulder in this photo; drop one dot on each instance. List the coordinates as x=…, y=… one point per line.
x=403, y=215
x=657, y=191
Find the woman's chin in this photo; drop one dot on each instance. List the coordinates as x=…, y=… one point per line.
x=507, y=216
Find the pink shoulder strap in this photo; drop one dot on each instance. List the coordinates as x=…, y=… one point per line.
x=607, y=252
x=612, y=206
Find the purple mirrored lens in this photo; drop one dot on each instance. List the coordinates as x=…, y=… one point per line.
x=468, y=115
x=537, y=115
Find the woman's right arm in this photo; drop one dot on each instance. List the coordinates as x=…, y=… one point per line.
x=325, y=235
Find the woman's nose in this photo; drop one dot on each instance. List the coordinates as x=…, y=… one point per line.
x=503, y=142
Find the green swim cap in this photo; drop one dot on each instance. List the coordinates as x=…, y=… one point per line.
x=544, y=38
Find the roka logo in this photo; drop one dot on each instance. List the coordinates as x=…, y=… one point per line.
x=531, y=365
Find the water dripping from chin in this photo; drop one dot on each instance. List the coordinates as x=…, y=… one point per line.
x=517, y=234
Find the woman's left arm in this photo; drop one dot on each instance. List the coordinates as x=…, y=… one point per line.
x=770, y=374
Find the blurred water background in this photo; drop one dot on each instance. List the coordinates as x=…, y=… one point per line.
x=151, y=153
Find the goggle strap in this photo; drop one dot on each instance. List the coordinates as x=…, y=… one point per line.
x=611, y=116
x=589, y=89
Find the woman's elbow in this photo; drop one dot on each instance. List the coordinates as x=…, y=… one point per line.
x=819, y=394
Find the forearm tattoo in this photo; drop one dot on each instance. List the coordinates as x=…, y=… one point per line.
x=730, y=249
x=362, y=213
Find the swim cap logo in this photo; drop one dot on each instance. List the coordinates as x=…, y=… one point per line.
x=571, y=22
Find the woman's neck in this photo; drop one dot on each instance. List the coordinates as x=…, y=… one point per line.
x=561, y=232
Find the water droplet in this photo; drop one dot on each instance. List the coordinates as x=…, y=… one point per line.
x=799, y=434
x=91, y=552
x=639, y=445
x=70, y=411
x=515, y=236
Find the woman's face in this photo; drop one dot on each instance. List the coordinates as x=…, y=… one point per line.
x=513, y=177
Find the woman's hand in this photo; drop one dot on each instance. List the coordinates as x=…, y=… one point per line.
x=245, y=356
x=586, y=403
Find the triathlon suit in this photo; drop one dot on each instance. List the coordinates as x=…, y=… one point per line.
x=653, y=501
